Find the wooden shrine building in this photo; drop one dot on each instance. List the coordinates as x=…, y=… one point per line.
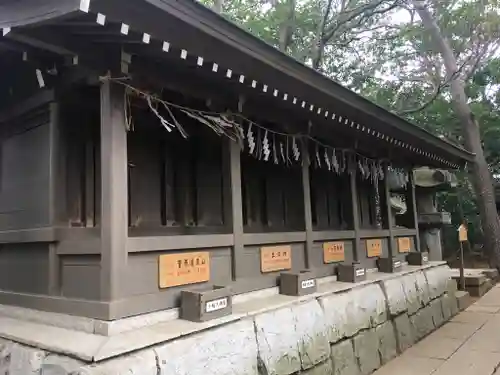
x=149, y=146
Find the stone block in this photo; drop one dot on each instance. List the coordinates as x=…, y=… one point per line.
x=463, y=300
x=278, y=342
x=366, y=351
x=310, y=327
x=412, y=293
x=230, y=349
x=60, y=365
x=344, y=360
x=140, y=363
x=451, y=287
x=396, y=297
x=5, y=349
x=348, y=313
x=449, y=306
x=423, y=293
x=298, y=283
x=480, y=290
x=351, y=273
x=422, y=323
x=437, y=279
x=387, y=346
x=491, y=274
x=436, y=308
x=471, y=279
x=373, y=304
x=404, y=332
x=325, y=368
x=24, y=360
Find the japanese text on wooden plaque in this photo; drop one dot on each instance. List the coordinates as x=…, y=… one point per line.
x=333, y=252
x=373, y=248
x=183, y=268
x=275, y=258
x=404, y=244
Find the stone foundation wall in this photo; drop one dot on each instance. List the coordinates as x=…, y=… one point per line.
x=348, y=333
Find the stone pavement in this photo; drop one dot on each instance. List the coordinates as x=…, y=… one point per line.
x=469, y=344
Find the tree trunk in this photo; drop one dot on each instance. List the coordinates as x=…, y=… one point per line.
x=287, y=27
x=480, y=173
x=319, y=41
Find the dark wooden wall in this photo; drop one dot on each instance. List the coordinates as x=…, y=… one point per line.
x=24, y=183
x=180, y=196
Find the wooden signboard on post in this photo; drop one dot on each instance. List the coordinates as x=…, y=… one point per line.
x=275, y=258
x=404, y=244
x=373, y=248
x=183, y=269
x=333, y=252
x=462, y=233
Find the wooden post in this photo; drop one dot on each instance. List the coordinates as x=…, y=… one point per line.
x=236, y=206
x=414, y=208
x=56, y=196
x=114, y=188
x=306, y=187
x=390, y=222
x=355, y=214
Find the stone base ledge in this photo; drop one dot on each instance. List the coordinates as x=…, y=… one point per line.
x=92, y=340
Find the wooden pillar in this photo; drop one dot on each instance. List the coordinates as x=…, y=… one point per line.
x=56, y=195
x=114, y=188
x=306, y=187
x=414, y=208
x=390, y=219
x=236, y=206
x=355, y=215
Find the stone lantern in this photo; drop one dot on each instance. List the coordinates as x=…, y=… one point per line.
x=427, y=183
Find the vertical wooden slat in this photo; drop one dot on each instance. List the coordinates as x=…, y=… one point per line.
x=89, y=183
x=234, y=155
x=209, y=185
x=389, y=219
x=56, y=196
x=114, y=191
x=169, y=216
x=355, y=215
x=414, y=208
x=306, y=188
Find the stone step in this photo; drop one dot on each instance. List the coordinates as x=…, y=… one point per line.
x=479, y=290
x=491, y=274
x=472, y=280
x=463, y=299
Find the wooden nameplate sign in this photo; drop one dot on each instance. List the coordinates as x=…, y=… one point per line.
x=351, y=273
x=297, y=283
x=200, y=306
x=275, y=258
x=183, y=269
x=404, y=244
x=333, y=252
x=373, y=248
x=418, y=258
x=389, y=265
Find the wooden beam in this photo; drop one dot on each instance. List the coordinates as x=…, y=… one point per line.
x=236, y=207
x=306, y=187
x=390, y=221
x=355, y=215
x=56, y=195
x=414, y=208
x=114, y=210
